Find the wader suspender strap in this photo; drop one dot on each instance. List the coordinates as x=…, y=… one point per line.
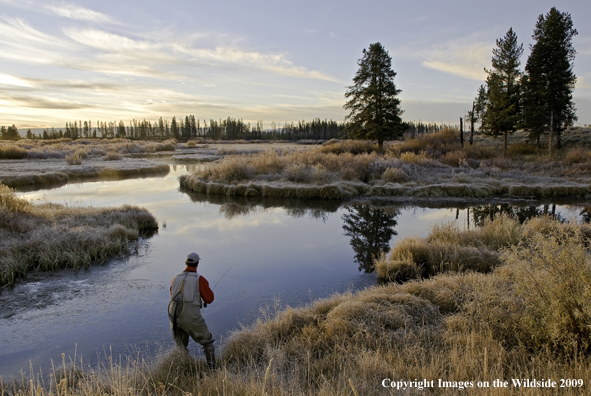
x=182, y=296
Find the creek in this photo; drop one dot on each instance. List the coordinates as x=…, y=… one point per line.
x=281, y=253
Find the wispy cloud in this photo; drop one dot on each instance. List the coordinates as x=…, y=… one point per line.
x=42, y=103
x=74, y=11
x=466, y=57
x=179, y=51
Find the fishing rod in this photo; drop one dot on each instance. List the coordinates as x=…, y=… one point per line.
x=205, y=304
x=224, y=275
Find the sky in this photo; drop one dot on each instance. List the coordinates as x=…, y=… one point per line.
x=276, y=61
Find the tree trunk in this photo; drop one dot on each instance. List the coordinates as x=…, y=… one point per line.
x=505, y=147
x=472, y=125
x=550, y=139
x=461, y=132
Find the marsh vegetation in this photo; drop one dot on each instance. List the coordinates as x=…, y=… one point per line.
x=49, y=236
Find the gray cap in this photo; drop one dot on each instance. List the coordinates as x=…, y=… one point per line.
x=192, y=258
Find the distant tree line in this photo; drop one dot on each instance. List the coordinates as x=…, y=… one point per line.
x=190, y=128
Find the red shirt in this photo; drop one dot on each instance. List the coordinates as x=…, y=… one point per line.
x=204, y=290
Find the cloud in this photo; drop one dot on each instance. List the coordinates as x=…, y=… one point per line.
x=42, y=103
x=457, y=68
x=466, y=57
x=6, y=79
x=74, y=11
x=179, y=52
x=582, y=82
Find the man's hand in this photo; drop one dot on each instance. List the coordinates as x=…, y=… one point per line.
x=204, y=305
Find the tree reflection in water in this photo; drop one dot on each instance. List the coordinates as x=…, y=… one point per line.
x=482, y=213
x=586, y=214
x=370, y=229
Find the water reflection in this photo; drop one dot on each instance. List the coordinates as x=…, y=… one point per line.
x=231, y=207
x=586, y=214
x=483, y=213
x=370, y=229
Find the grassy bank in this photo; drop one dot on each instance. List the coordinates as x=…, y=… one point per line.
x=429, y=166
x=46, y=237
x=528, y=317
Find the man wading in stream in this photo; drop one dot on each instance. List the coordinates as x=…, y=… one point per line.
x=190, y=292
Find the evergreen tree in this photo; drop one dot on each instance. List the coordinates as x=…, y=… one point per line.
x=372, y=99
x=174, y=129
x=549, y=80
x=502, y=113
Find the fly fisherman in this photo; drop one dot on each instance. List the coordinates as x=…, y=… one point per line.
x=190, y=292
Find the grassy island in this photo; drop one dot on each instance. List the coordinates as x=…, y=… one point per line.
x=45, y=237
x=45, y=162
x=428, y=166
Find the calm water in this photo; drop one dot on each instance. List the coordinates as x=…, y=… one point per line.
x=282, y=253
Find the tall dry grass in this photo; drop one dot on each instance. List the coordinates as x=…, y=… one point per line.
x=527, y=318
x=47, y=237
x=447, y=248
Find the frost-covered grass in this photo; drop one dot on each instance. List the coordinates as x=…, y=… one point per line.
x=61, y=148
x=430, y=166
x=47, y=237
x=529, y=317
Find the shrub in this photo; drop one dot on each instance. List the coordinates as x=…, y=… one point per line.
x=298, y=173
x=576, y=155
x=112, y=156
x=394, y=175
x=454, y=158
x=521, y=148
x=73, y=159
x=349, y=146
x=12, y=152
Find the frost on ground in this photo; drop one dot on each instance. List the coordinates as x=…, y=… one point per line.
x=15, y=173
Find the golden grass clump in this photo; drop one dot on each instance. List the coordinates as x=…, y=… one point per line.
x=11, y=151
x=414, y=258
x=394, y=175
x=454, y=158
x=112, y=156
x=576, y=156
x=349, y=146
x=411, y=158
x=74, y=159
x=49, y=236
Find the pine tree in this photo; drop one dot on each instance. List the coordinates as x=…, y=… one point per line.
x=372, y=99
x=501, y=113
x=549, y=80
